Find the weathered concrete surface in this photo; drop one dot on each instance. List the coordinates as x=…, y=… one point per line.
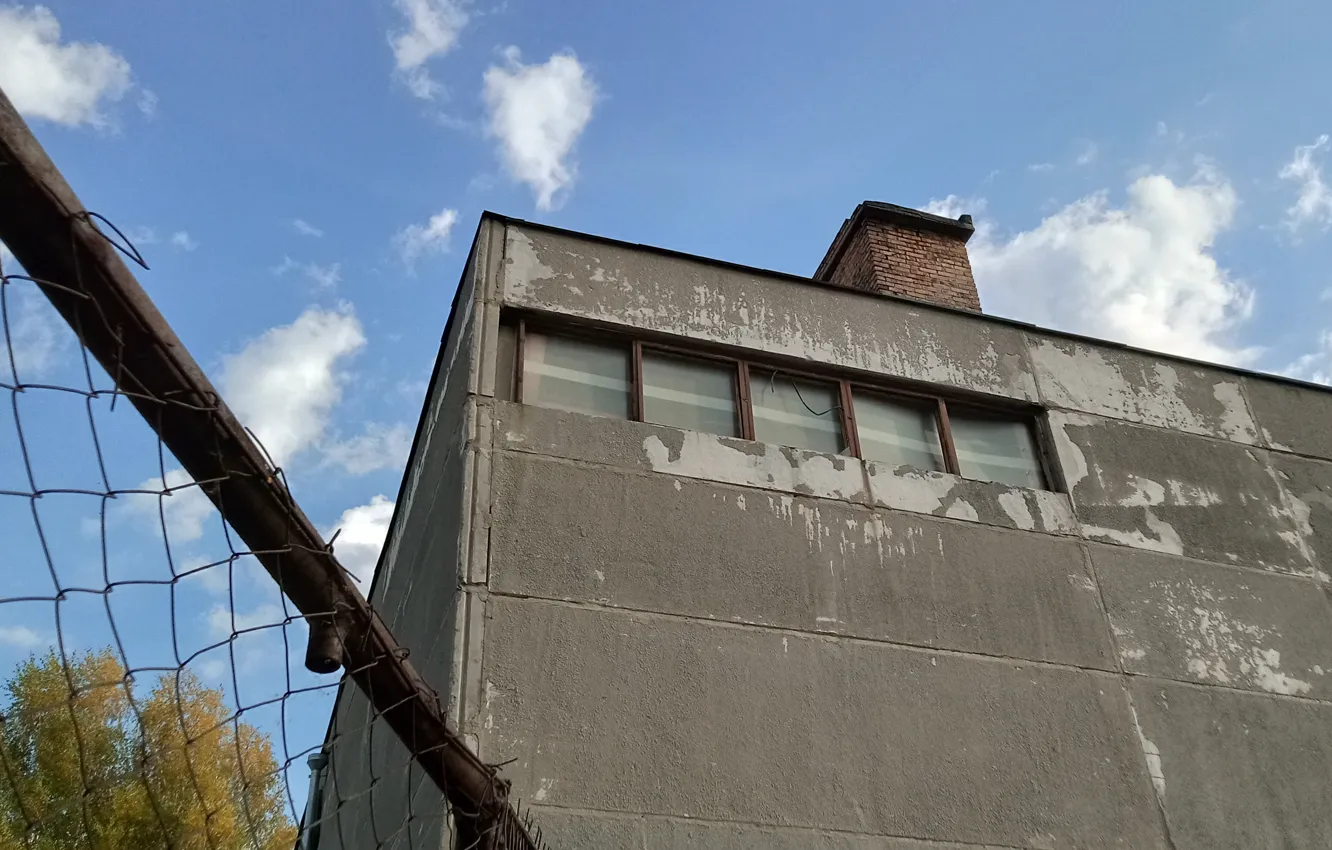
x=416, y=593
x=657, y=543
x=1141, y=388
x=1192, y=621
x=606, y=829
x=1239, y=770
x=446, y=426
x=1177, y=493
x=812, y=322
x=369, y=791
x=688, y=718
x=688, y=454
x=1307, y=486
x=1291, y=417
x=422, y=562
x=707, y=457
x=945, y=495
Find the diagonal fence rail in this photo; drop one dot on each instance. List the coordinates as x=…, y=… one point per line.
x=73, y=257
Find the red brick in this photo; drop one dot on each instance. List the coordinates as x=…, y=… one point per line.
x=880, y=256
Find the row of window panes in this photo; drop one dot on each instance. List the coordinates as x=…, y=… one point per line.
x=586, y=376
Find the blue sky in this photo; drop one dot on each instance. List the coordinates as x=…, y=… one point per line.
x=305, y=178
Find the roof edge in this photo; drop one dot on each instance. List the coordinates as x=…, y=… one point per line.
x=916, y=302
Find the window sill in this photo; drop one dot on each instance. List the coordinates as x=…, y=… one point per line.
x=728, y=460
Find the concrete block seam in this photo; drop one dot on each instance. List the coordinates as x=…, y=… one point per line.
x=743, y=488
x=834, y=637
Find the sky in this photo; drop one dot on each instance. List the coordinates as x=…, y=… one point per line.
x=304, y=180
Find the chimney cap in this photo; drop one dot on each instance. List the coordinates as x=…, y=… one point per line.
x=960, y=228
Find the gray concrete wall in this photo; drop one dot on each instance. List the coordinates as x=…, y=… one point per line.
x=679, y=639
x=375, y=797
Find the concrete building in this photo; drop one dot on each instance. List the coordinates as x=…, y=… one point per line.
x=721, y=557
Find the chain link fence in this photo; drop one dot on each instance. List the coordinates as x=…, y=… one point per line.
x=171, y=619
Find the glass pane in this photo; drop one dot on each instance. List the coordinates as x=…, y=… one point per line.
x=504, y=362
x=692, y=394
x=792, y=411
x=573, y=374
x=898, y=433
x=1002, y=450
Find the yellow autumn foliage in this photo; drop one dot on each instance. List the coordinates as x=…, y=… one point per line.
x=80, y=767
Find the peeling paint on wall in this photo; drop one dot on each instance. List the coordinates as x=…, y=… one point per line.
x=1140, y=388
x=1015, y=505
x=1071, y=459
x=1172, y=492
x=1222, y=648
x=1130, y=649
x=1152, y=754
x=942, y=494
x=714, y=458
x=1236, y=420
x=1162, y=536
x=808, y=321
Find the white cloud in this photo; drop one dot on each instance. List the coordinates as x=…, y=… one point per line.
x=364, y=529
x=20, y=637
x=432, y=30
x=1143, y=274
x=218, y=577
x=323, y=277
x=537, y=112
x=1315, y=366
x=380, y=447
x=147, y=103
x=1314, y=202
x=37, y=334
x=953, y=206
x=305, y=228
x=64, y=83
x=1087, y=155
x=432, y=237
x=184, y=507
x=287, y=264
x=285, y=384
x=141, y=235
x=213, y=576
x=1038, y=167
x=222, y=622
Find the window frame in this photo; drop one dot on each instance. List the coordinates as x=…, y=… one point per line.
x=740, y=386
x=846, y=384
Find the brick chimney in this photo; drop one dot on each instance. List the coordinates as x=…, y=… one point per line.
x=901, y=251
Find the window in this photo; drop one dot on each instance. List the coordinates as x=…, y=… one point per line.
x=696, y=394
x=506, y=367
x=575, y=374
x=628, y=378
x=899, y=433
x=990, y=448
x=791, y=411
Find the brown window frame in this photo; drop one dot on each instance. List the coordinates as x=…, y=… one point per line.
x=846, y=385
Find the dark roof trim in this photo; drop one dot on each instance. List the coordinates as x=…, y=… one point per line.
x=959, y=228
x=926, y=305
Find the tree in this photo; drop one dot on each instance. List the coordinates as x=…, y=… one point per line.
x=81, y=768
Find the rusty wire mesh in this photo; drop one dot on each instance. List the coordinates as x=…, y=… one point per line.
x=159, y=685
